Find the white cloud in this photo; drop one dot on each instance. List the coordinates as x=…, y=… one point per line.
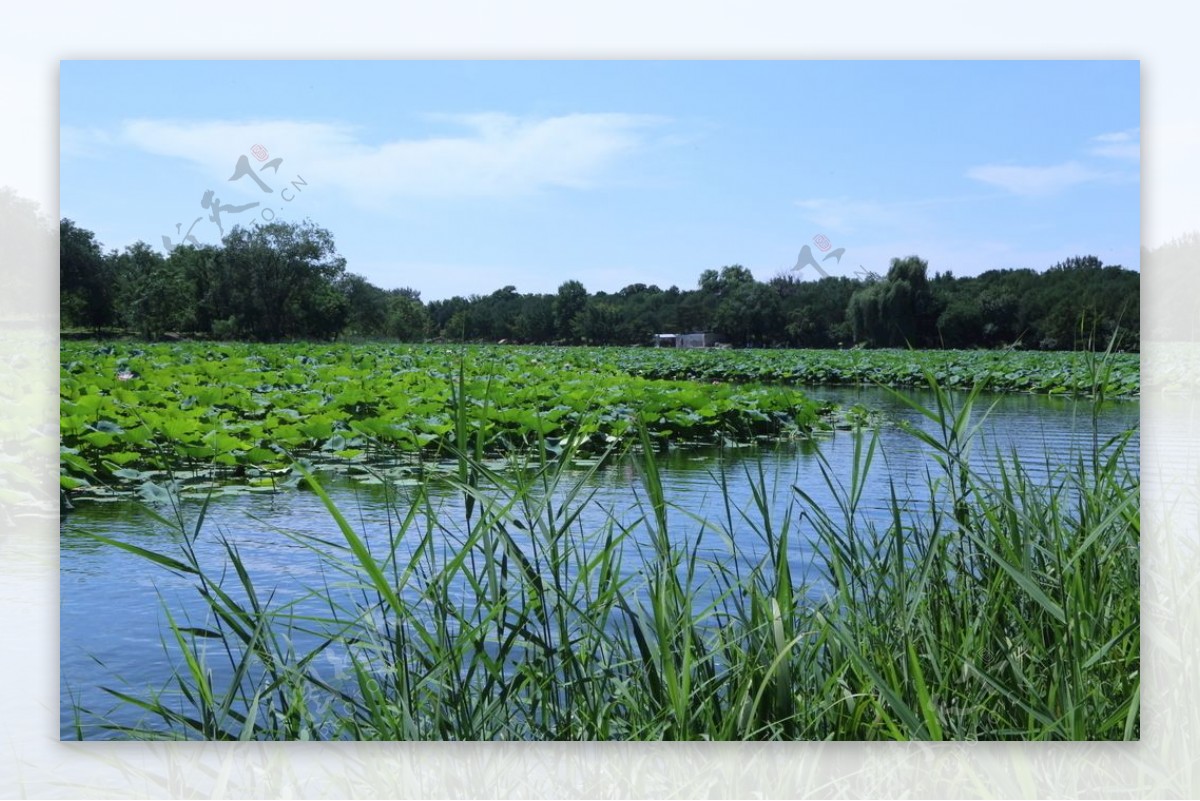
x=1118, y=145
x=1048, y=180
x=82, y=142
x=493, y=155
x=845, y=215
x=1034, y=180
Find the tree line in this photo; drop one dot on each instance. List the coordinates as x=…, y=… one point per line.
x=286, y=281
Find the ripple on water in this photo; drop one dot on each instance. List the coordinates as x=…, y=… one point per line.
x=111, y=602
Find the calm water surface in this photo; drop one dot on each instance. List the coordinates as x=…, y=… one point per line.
x=112, y=621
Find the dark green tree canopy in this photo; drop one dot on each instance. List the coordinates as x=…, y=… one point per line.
x=288, y=274
x=287, y=281
x=86, y=279
x=570, y=302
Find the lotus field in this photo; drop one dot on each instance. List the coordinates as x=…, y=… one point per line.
x=240, y=412
x=482, y=590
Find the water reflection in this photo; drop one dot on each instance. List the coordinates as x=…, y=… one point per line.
x=112, y=602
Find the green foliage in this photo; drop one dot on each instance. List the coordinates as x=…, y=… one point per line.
x=155, y=294
x=898, y=311
x=235, y=411
x=272, y=282
x=85, y=278
x=286, y=281
x=1008, y=370
x=535, y=320
x=1008, y=610
x=814, y=312
x=267, y=400
x=283, y=280
x=569, y=303
x=407, y=320
x=367, y=306
x=1078, y=304
x=598, y=323
x=749, y=314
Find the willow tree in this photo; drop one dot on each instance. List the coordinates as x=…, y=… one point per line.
x=897, y=311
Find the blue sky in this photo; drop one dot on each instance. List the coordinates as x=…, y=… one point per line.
x=462, y=177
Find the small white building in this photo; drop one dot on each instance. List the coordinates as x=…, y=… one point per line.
x=703, y=339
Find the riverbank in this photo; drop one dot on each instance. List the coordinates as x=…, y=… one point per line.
x=1000, y=603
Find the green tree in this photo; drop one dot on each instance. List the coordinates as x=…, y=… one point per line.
x=323, y=312
x=864, y=312
x=999, y=317
x=535, y=320
x=202, y=268
x=813, y=313
x=86, y=288
x=699, y=310
x=749, y=314
x=908, y=302
x=571, y=299
x=898, y=311
x=598, y=324
x=502, y=308
x=720, y=284
x=643, y=311
x=448, y=317
x=407, y=318
x=286, y=275
x=366, y=306
x=1081, y=303
x=154, y=293
x=960, y=325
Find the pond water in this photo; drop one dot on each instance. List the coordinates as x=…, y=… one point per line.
x=112, y=623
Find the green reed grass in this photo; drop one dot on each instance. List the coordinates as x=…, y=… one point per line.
x=997, y=605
